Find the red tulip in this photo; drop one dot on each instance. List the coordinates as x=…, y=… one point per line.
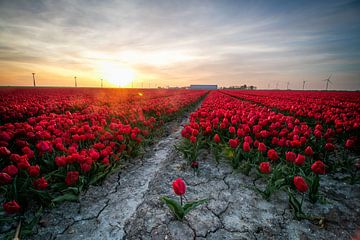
x=195, y=165
x=300, y=160
x=318, y=167
x=34, y=171
x=300, y=184
x=217, y=138
x=179, y=187
x=40, y=183
x=12, y=170
x=60, y=161
x=72, y=178
x=5, y=178
x=265, y=167
x=329, y=147
x=23, y=162
x=272, y=155
x=262, y=147
x=290, y=156
x=233, y=143
x=4, y=151
x=349, y=143
x=193, y=139
x=246, y=147
x=309, y=151
x=43, y=146
x=232, y=130
x=11, y=207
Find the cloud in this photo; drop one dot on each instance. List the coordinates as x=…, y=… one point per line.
x=177, y=43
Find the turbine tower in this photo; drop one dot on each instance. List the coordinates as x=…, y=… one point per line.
x=34, y=82
x=287, y=85
x=328, y=81
x=101, y=83
x=304, y=84
x=75, y=81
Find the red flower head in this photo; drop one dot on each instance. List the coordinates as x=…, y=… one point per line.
x=11, y=207
x=246, y=147
x=300, y=184
x=309, y=151
x=265, y=167
x=217, y=138
x=34, y=171
x=261, y=147
x=272, y=155
x=349, y=143
x=179, y=186
x=195, y=165
x=248, y=139
x=329, y=147
x=300, y=160
x=23, y=162
x=290, y=156
x=72, y=178
x=232, y=130
x=233, y=143
x=193, y=139
x=318, y=167
x=4, y=151
x=43, y=146
x=11, y=170
x=60, y=161
x=5, y=178
x=40, y=183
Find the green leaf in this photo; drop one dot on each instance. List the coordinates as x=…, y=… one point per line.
x=65, y=197
x=294, y=203
x=279, y=183
x=98, y=177
x=175, y=207
x=191, y=205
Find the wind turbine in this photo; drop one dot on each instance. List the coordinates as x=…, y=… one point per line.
x=328, y=81
x=101, y=83
x=75, y=81
x=304, y=84
x=287, y=85
x=34, y=79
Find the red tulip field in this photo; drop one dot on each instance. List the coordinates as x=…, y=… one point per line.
x=102, y=163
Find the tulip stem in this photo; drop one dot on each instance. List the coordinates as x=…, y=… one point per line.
x=302, y=200
x=17, y=233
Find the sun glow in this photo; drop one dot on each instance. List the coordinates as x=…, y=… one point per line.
x=118, y=75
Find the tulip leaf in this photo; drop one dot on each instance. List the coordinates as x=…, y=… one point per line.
x=65, y=197
x=175, y=207
x=191, y=205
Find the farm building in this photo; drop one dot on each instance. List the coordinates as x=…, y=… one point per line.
x=207, y=87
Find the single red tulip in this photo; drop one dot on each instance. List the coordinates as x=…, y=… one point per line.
x=300, y=184
x=72, y=178
x=265, y=167
x=179, y=186
x=318, y=167
x=11, y=207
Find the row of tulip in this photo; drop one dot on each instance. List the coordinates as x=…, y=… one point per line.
x=74, y=139
x=339, y=109
x=288, y=153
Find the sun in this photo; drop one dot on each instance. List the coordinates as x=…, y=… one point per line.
x=118, y=75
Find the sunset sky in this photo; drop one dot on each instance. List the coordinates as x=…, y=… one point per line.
x=178, y=43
